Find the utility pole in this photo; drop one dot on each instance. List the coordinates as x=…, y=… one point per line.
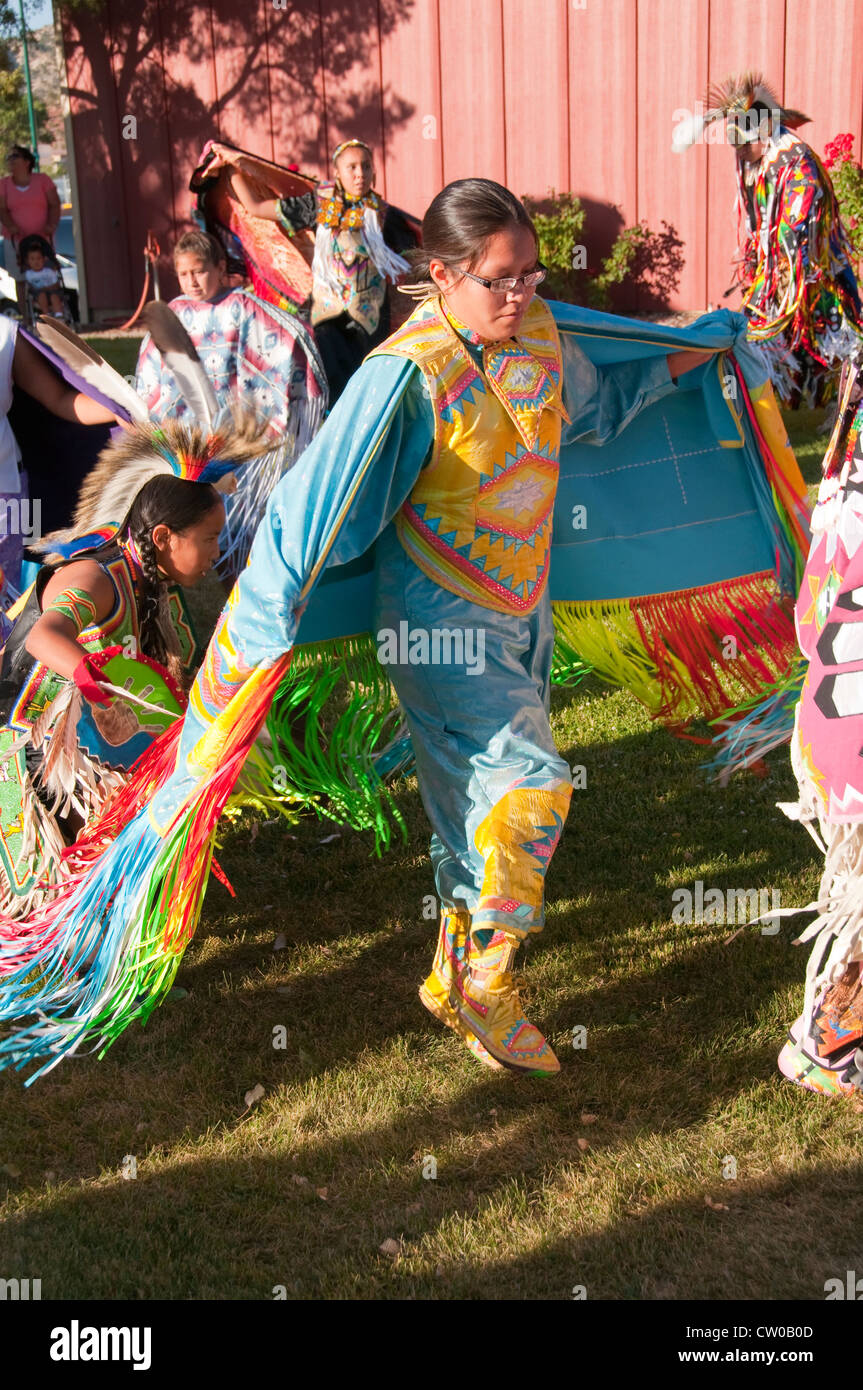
x=30, y=113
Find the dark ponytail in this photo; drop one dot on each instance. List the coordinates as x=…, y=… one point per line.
x=458, y=225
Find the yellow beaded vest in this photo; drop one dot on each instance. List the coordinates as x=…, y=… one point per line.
x=479, y=518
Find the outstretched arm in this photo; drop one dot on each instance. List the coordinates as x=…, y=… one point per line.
x=601, y=401
x=326, y=510
x=31, y=372
x=241, y=189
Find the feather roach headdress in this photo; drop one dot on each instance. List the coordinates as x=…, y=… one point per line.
x=148, y=451
x=208, y=451
x=747, y=104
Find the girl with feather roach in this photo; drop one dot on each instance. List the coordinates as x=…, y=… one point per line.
x=102, y=650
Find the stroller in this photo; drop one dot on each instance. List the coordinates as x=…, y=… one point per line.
x=57, y=292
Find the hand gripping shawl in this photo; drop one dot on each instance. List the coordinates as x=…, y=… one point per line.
x=679, y=586
x=280, y=267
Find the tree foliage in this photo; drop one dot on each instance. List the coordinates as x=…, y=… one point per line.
x=14, y=120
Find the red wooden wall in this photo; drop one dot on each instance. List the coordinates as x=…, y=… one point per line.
x=539, y=94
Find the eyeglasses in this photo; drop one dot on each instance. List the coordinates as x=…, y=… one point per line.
x=504, y=284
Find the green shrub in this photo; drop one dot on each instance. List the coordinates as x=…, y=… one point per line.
x=639, y=258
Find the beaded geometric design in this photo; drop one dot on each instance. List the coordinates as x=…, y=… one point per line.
x=479, y=518
x=524, y=385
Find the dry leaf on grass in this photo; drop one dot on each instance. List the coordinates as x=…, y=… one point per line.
x=587, y=1118
x=299, y=1180
x=281, y=942
x=322, y=1193
x=583, y=1144
x=715, y=1206
x=390, y=1247
x=252, y=1097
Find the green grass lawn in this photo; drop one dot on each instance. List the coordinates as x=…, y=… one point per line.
x=678, y=1076
x=808, y=443
x=613, y=1176
x=122, y=353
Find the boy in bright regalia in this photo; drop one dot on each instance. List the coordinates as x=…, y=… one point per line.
x=794, y=267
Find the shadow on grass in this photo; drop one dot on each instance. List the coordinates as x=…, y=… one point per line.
x=239, y=1226
x=679, y=1026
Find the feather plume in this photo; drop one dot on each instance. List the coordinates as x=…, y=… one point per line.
x=741, y=92
x=180, y=356
x=688, y=132
x=92, y=368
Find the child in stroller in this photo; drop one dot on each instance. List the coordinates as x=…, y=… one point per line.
x=45, y=291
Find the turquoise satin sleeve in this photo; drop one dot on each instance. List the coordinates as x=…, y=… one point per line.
x=601, y=401
x=333, y=503
x=326, y=510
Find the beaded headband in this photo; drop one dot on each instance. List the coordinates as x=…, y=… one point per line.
x=349, y=144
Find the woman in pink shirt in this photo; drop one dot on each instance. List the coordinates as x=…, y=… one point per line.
x=29, y=203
